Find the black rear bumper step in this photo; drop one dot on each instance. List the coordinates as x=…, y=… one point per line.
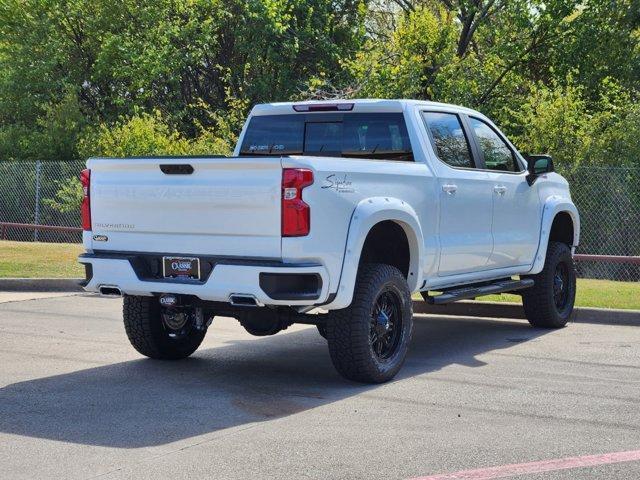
x=472, y=291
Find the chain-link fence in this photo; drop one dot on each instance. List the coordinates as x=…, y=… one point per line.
x=608, y=198
x=40, y=193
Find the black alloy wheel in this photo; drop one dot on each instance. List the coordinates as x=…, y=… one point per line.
x=386, y=324
x=561, y=286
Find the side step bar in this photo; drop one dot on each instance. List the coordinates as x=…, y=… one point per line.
x=478, y=290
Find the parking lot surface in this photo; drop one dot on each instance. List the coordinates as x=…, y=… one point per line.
x=76, y=401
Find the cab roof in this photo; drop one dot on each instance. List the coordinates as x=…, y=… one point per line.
x=358, y=105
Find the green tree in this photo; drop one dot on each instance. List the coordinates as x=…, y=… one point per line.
x=190, y=59
x=553, y=120
x=147, y=134
x=407, y=63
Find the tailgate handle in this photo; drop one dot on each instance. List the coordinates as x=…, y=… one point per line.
x=176, y=169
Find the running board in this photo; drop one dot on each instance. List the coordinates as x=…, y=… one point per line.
x=472, y=291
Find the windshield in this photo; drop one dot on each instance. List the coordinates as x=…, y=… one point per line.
x=355, y=135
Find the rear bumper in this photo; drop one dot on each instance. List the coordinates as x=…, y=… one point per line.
x=270, y=282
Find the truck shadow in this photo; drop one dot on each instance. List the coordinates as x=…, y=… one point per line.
x=143, y=403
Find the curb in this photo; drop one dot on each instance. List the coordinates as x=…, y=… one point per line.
x=40, y=285
x=466, y=308
x=514, y=310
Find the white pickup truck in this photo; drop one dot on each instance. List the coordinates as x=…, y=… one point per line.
x=332, y=214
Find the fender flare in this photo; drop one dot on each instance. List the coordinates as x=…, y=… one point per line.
x=552, y=207
x=368, y=213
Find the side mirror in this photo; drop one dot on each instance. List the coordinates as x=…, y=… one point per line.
x=538, y=165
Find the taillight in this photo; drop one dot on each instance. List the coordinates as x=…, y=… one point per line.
x=296, y=215
x=85, y=208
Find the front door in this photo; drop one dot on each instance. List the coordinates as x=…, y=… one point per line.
x=516, y=205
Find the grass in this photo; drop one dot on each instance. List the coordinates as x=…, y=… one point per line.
x=59, y=260
x=593, y=293
x=590, y=293
x=40, y=260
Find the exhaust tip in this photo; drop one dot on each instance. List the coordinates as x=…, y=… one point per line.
x=110, y=290
x=242, y=300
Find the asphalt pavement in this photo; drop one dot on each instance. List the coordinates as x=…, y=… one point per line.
x=77, y=402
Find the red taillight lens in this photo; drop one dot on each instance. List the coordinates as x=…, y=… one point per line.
x=85, y=208
x=296, y=215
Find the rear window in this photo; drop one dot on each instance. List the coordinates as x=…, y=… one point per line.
x=354, y=135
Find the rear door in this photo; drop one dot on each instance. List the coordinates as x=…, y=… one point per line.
x=516, y=205
x=208, y=206
x=465, y=200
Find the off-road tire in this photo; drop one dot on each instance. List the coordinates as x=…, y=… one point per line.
x=348, y=330
x=322, y=330
x=148, y=336
x=539, y=304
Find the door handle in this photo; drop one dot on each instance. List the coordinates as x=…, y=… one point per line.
x=500, y=189
x=449, y=189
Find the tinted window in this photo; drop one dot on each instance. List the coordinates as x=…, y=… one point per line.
x=449, y=140
x=323, y=138
x=273, y=134
x=497, y=154
x=364, y=135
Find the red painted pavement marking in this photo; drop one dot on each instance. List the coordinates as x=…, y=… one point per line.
x=538, y=467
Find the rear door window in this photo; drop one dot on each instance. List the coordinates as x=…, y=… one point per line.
x=448, y=138
x=380, y=136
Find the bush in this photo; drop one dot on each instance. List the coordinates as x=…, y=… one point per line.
x=141, y=135
x=147, y=134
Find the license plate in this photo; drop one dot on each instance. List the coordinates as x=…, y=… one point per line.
x=181, y=267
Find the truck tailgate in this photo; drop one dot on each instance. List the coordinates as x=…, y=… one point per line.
x=226, y=206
